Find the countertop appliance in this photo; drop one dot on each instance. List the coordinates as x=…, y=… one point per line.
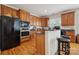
x=9, y=32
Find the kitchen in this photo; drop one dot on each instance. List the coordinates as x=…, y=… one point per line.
x=41, y=37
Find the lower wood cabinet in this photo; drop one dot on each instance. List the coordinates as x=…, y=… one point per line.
x=77, y=38
x=71, y=34
x=33, y=38
x=40, y=44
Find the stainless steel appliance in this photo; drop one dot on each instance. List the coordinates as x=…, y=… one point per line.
x=9, y=32
x=24, y=30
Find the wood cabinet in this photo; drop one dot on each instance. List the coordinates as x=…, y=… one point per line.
x=40, y=44
x=0, y=9
x=14, y=13
x=64, y=20
x=67, y=19
x=34, y=21
x=70, y=18
x=44, y=22
x=39, y=22
x=33, y=38
x=24, y=15
x=7, y=11
x=77, y=38
x=28, y=16
x=71, y=34
x=31, y=20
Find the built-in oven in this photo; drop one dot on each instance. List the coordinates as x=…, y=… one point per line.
x=25, y=33
x=24, y=30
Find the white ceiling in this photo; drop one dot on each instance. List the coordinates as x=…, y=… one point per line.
x=45, y=9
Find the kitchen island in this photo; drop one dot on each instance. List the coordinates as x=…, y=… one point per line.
x=51, y=44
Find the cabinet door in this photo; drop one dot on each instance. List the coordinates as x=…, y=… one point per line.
x=71, y=34
x=33, y=38
x=31, y=20
x=28, y=16
x=64, y=20
x=40, y=44
x=0, y=9
x=71, y=18
x=77, y=38
x=22, y=15
x=14, y=13
x=44, y=22
x=39, y=22
x=6, y=10
x=35, y=21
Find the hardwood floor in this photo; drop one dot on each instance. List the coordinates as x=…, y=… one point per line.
x=23, y=49
x=74, y=50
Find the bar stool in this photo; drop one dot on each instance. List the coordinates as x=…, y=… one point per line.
x=65, y=43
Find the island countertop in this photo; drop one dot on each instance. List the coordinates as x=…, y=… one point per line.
x=51, y=44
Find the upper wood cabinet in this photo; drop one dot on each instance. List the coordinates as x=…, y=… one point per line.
x=44, y=22
x=71, y=18
x=23, y=15
x=31, y=20
x=14, y=13
x=67, y=19
x=64, y=21
x=34, y=20
x=0, y=9
x=38, y=22
x=28, y=16
x=7, y=11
